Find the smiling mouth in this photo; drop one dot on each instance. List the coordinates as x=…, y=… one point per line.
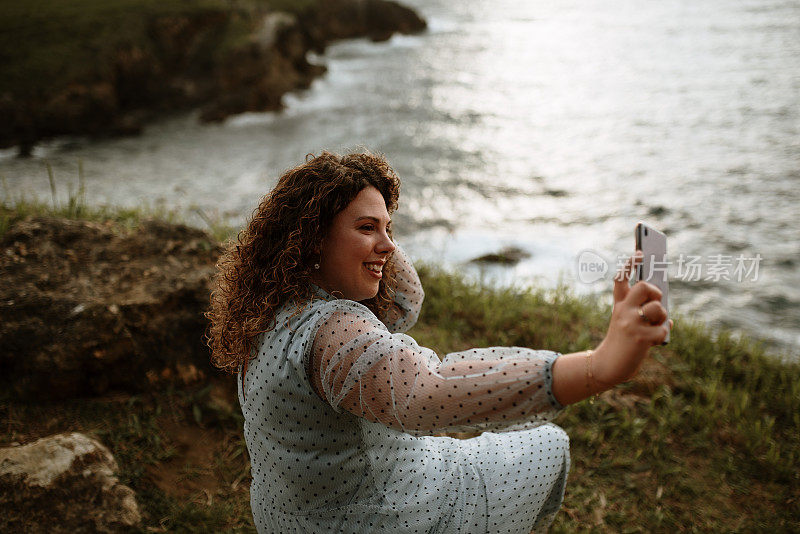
x=374, y=269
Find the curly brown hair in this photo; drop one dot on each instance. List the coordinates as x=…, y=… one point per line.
x=270, y=263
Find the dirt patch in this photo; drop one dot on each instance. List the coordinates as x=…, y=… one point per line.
x=207, y=459
x=91, y=308
x=652, y=376
x=190, y=473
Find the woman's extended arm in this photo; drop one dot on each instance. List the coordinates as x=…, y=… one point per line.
x=620, y=355
x=356, y=364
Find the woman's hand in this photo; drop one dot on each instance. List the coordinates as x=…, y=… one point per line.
x=636, y=325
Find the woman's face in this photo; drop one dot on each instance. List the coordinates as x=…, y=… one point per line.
x=356, y=248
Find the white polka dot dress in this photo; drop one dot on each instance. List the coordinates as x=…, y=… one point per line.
x=339, y=410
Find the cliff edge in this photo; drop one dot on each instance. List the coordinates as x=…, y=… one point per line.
x=107, y=70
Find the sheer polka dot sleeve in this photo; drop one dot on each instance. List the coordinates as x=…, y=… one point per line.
x=358, y=365
x=408, y=295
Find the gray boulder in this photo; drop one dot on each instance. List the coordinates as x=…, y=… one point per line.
x=63, y=483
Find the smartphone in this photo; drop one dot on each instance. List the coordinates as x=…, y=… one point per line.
x=653, y=268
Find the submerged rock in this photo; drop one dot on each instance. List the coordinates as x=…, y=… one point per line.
x=508, y=256
x=63, y=483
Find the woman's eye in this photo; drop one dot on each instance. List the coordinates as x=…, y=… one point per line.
x=368, y=227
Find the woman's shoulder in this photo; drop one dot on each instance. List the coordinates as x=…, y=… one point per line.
x=324, y=308
x=296, y=317
x=297, y=326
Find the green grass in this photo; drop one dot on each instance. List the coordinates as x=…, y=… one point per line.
x=74, y=207
x=706, y=439
x=708, y=442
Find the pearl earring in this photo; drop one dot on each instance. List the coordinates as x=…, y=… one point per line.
x=316, y=266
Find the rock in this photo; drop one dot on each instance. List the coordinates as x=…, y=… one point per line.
x=87, y=308
x=225, y=60
x=63, y=483
x=508, y=256
x=343, y=19
x=386, y=18
x=272, y=25
x=657, y=211
x=256, y=75
x=557, y=193
x=86, y=107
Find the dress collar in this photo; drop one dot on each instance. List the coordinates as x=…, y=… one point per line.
x=321, y=293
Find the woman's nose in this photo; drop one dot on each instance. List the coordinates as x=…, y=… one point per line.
x=386, y=245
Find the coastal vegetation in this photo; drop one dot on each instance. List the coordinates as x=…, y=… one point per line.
x=705, y=439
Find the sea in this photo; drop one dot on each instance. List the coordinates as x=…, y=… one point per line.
x=547, y=129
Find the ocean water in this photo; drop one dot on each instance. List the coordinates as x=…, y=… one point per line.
x=549, y=127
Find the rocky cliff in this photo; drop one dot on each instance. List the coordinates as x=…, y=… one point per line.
x=242, y=57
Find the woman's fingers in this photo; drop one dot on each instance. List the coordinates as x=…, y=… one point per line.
x=621, y=280
x=642, y=292
x=663, y=333
x=654, y=312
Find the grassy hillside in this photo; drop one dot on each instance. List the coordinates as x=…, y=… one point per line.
x=50, y=43
x=704, y=440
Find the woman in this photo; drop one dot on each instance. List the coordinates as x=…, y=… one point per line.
x=340, y=406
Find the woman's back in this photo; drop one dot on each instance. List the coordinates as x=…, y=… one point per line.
x=318, y=469
x=312, y=465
